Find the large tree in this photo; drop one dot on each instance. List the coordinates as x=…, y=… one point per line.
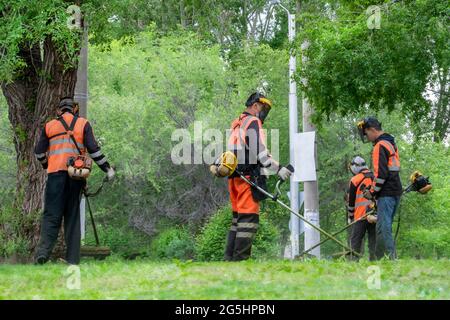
x=39, y=49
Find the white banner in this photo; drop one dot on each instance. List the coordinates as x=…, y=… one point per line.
x=305, y=164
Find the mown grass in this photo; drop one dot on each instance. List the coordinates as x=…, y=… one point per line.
x=143, y=279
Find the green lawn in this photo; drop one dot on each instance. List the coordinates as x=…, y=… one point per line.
x=143, y=279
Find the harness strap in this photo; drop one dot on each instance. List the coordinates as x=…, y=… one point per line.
x=57, y=135
x=69, y=130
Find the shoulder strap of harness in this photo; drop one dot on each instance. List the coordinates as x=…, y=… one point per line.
x=369, y=174
x=69, y=130
x=392, y=150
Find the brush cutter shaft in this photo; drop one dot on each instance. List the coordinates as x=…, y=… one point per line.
x=335, y=234
x=330, y=236
x=92, y=221
x=275, y=198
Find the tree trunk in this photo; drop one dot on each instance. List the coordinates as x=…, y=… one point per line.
x=32, y=99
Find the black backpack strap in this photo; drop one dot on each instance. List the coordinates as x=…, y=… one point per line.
x=70, y=129
x=369, y=175
x=57, y=135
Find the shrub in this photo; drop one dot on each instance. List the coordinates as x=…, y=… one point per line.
x=174, y=243
x=425, y=243
x=12, y=243
x=211, y=241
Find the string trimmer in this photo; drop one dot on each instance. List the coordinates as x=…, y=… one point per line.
x=275, y=196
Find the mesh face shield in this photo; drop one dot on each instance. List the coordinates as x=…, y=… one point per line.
x=366, y=123
x=362, y=134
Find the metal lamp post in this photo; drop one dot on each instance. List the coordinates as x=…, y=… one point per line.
x=293, y=130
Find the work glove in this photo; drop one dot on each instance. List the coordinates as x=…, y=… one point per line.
x=110, y=173
x=372, y=218
x=284, y=173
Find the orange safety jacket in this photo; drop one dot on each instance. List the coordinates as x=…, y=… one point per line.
x=239, y=127
x=247, y=141
x=380, y=165
x=61, y=146
x=357, y=204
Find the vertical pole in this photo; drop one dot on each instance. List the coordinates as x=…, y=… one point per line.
x=81, y=96
x=311, y=190
x=293, y=130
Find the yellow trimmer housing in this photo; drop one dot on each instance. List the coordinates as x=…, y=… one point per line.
x=225, y=165
x=421, y=184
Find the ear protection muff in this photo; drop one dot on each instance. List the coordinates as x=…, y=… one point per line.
x=76, y=108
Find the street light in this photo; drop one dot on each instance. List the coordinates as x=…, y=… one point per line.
x=293, y=130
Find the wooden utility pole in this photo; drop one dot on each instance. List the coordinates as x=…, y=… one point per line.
x=81, y=96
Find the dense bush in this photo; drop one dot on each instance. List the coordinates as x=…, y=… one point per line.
x=12, y=244
x=427, y=243
x=210, y=244
x=174, y=243
x=425, y=219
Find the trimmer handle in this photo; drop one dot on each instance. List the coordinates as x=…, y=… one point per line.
x=277, y=189
x=280, y=181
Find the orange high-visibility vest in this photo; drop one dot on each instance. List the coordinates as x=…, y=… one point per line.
x=361, y=181
x=239, y=129
x=61, y=146
x=393, y=160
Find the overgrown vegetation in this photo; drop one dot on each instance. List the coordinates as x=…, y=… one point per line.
x=210, y=245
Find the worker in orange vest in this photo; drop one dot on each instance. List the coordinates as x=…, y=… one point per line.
x=247, y=143
x=358, y=206
x=386, y=188
x=56, y=146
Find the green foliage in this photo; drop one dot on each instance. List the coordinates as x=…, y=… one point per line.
x=136, y=87
x=26, y=25
x=174, y=243
x=427, y=243
x=12, y=242
x=172, y=80
x=352, y=67
x=425, y=219
x=210, y=244
x=230, y=23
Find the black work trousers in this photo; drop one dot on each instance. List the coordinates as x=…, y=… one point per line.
x=359, y=230
x=240, y=236
x=62, y=200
